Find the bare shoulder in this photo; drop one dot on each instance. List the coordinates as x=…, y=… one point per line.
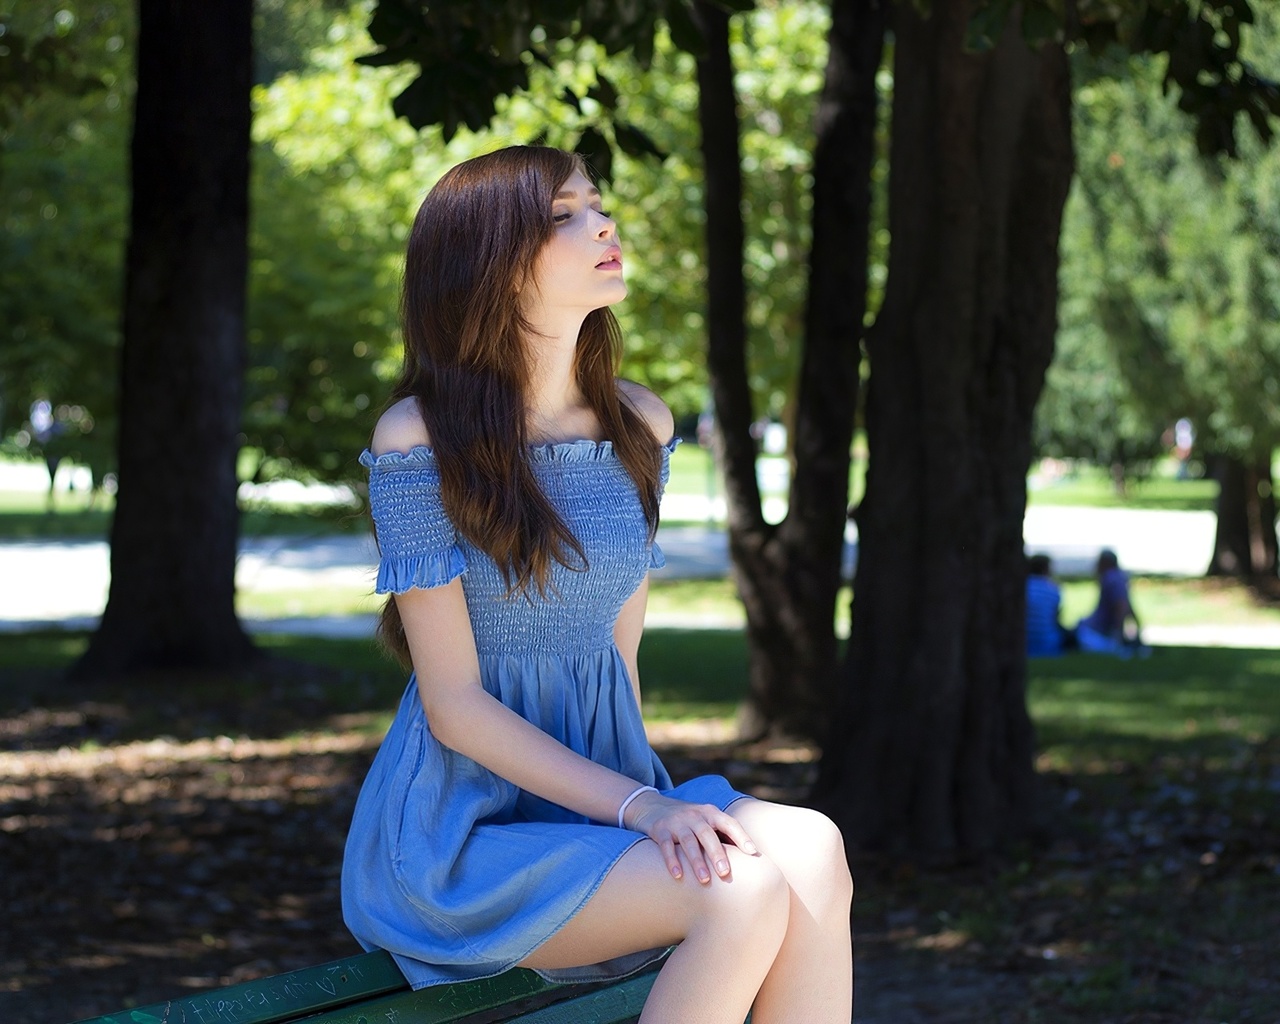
x=652, y=409
x=399, y=429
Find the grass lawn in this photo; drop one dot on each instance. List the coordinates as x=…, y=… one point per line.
x=1093, y=487
x=1090, y=710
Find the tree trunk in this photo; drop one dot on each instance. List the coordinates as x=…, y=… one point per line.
x=173, y=537
x=931, y=746
x=788, y=575
x=1245, y=543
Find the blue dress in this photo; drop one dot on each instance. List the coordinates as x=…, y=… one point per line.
x=452, y=869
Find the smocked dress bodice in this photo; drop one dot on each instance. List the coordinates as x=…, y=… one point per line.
x=453, y=869
x=590, y=488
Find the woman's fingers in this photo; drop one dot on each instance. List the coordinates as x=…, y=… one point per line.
x=691, y=832
x=691, y=844
x=732, y=828
x=713, y=849
x=668, y=847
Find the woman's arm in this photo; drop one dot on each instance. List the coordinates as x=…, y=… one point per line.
x=630, y=624
x=627, y=631
x=465, y=717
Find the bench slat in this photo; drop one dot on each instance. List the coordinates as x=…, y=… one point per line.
x=369, y=989
x=283, y=997
x=616, y=1002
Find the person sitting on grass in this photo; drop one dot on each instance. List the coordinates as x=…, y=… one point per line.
x=1046, y=636
x=1113, y=626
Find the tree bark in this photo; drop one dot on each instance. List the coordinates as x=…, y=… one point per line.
x=173, y=537
x=789, y=575
x=1245, y=543
x=931, y=745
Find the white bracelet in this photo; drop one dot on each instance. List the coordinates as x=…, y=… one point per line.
x=627, y=802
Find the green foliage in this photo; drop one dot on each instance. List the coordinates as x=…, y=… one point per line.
x=781, y=54
x=1202, y=39
x=1171, y=277
x=47, y=46
x=469, y=53
x=337, y=179
x=780, y=50
x=334, y=183
x=62, y=162
x=658, y=203
x=286, y=31
x=1209, y=64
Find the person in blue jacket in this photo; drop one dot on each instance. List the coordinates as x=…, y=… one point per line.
x=1046, y=636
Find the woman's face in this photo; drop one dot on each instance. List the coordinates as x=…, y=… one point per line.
x=580, y=267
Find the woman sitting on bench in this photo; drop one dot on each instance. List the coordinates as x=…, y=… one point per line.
x=515, y=814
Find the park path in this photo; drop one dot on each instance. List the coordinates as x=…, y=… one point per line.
x=64, y=583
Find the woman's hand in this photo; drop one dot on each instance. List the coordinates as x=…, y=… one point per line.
x=690, y=829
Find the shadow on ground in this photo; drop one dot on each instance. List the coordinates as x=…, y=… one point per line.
x=162, y=838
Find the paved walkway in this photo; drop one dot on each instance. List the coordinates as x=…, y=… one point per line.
x=64, y=583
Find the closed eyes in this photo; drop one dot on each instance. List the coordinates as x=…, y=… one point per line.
x=560, y=218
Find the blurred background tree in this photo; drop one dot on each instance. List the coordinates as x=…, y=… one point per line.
x=336, y=180
x=957, y=357
x=63, y=138
x=1171, y=270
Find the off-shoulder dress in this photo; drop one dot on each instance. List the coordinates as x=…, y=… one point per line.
x=454, y=870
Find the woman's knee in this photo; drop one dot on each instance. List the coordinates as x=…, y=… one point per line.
x=756, y=895
x=809, y=848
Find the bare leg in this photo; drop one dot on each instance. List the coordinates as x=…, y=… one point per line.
x=729, y=932
x=811, y=978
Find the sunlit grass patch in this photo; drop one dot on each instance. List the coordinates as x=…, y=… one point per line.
x=1093, y=486
x=307, y=602
x=695, y=601
x=693, y=673
x=1205, y=702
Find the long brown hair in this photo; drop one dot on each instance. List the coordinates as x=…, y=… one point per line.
x=474, y=244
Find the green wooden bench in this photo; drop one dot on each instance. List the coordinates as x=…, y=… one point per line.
x=369, y=989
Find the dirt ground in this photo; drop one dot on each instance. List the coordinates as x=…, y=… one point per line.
x=135, y=867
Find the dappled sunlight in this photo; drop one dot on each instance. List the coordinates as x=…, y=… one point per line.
x=186, y=864
x=947, y=940
x=1095, y=714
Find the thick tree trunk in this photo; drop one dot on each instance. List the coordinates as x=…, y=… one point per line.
x=788, y=575
x=173, y=537
x=1245, y=544
x=931, y=746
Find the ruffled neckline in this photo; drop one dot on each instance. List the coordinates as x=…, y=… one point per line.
x=584, y=450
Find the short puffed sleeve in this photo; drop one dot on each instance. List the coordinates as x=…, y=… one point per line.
x=417, y=542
